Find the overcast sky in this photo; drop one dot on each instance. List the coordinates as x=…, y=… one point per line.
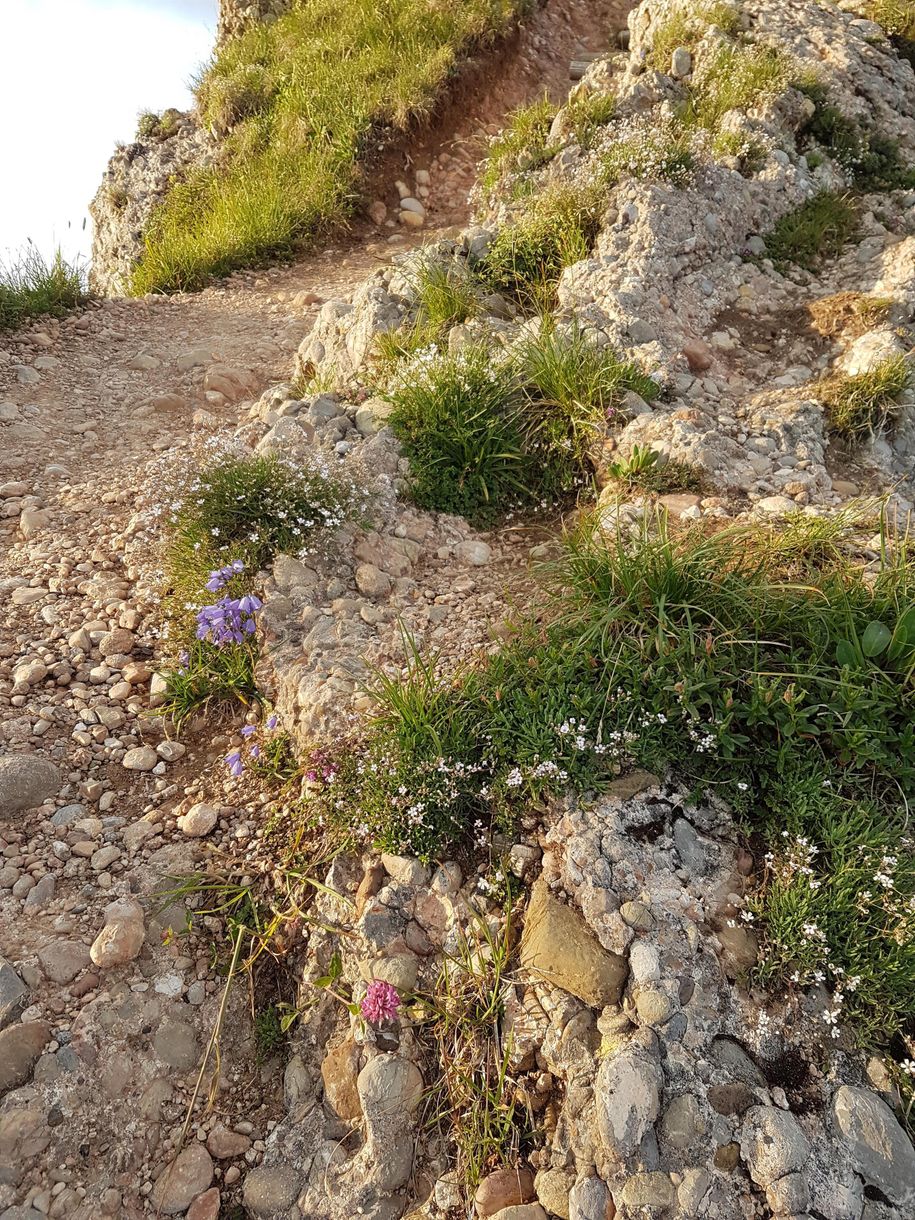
x=74, y=76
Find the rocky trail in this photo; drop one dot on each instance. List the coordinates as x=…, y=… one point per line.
x=111, y=1051
x=664, y=1088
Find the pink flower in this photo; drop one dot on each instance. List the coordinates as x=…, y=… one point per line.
x=381, y=1002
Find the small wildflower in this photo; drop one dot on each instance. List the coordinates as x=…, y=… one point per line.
x=380, y=1003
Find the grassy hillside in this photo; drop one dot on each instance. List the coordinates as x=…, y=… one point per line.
x=295, y=101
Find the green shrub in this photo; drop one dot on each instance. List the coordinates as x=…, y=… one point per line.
x=31, y=286
x=816, y=231
x=837, y=905
x=250, y=508
x=685, y=27
x=553, y=231
x=147, y=124
x=302, y=95
x=522, y=145
x=858, y=406
x=661, y=152
x=456, y=418
x=446, y=294
x=734, y=77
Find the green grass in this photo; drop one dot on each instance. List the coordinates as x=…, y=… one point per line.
x=299, y=99
x=859, y=406
x=31, y=286
x=837, y=904
x=456, y=420
x=552, y=231
x=485, y=434
x=251, y=509
x=522, y=145
x=571, y=395
x=446, y=294
x=734, y=77
x=759, y=665
x=585, y=114
x=816, y=231
x=896, y=16
x=685, y=27
x=208, y=678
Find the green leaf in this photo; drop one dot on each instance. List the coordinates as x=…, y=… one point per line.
x=847, y=654
x=876, y=639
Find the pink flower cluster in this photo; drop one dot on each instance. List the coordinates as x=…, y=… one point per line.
x=380, y=1002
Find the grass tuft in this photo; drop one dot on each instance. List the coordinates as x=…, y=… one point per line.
x=299, y=98
x=553, y=231
x=818, y=230
x=522, y=145
x=896, y=16
x=859, y=406
x=31, y=286
x=684, y=28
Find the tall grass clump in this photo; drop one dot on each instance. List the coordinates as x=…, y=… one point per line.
x=551, y=232
x=816, y=231
x=522, y=145
x=735, y=77
x=457, y=420
x=487, y=432
x=684, y=28
x=32, y=285
x=571, y=392
x=297, y=100
x=896, y=16
x=858, y=406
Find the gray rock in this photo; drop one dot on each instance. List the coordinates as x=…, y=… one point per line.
x=589, y=1199
x=681, y=63
x=270, y=1191
x=25, y=781
x=13, y=993
x=68, y=814
x=62, y=960
x=628, y=1099
x=772, y=1144
x=180, y=1183
x=789, y=1196
x=875, y=1143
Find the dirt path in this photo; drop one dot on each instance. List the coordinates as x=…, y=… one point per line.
x=84, y=405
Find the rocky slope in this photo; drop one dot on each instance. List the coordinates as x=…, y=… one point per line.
x=656, y=1084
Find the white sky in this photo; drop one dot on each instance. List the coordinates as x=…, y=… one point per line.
x=74, y=74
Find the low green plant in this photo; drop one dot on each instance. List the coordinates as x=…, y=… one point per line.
x=250, y=508
x=207, y=678
x=552, y=231
x=32, y=286
x=838, y=904
x=859, y=405
x=662, y=152
x=817, y=230
x=269, y=1035
x=299, y=98
x=645, y=469
x=685, y=26
x=522, y=145
x=456, y=419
